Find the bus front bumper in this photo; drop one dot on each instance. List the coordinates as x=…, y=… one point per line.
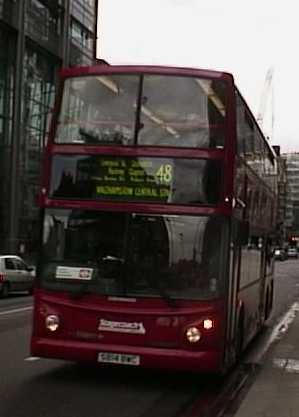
x=147, y=357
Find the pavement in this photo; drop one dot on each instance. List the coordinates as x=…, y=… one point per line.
x=275, y=390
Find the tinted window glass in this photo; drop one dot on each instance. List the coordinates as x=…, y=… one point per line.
x=20, y=265
x=9, y=264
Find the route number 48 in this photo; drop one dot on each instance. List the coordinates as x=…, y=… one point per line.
x=164, y=173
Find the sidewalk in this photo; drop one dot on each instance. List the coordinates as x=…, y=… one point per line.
x=275, y=392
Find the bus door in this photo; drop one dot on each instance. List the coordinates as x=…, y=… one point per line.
x=266, y=270
x=233, y=287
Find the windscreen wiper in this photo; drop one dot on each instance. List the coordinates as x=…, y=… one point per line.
x=164, y=294
x=113, y=259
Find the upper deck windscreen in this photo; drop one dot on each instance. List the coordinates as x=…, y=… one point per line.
x=146, y=110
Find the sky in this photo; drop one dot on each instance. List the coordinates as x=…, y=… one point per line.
x=246, y=38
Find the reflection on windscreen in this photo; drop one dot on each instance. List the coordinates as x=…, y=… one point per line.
x=132, y=254
x=143, y=109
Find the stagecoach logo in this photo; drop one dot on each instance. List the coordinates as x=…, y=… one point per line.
x=121, y=326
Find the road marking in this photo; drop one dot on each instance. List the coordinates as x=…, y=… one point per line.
x=287, y=364
x=15, y=310
x=280, y=328
x=32, y=358
x=284, y=323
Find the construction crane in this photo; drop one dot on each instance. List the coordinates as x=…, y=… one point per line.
x=264, y=100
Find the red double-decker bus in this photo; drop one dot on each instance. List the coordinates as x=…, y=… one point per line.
x=158, y=211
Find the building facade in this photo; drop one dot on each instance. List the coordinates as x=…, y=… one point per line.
x=37, y=37
x=282, y=197
x=292, y=194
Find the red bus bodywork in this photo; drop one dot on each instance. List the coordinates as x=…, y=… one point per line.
x=162, y=346
x=146, y=331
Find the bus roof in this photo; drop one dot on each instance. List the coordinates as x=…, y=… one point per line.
x=149, y=69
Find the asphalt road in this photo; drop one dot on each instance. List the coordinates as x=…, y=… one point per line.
x=49, y=388
x=31, y=387
x=286, y=287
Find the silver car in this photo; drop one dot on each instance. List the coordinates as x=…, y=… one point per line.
x=292, y=253
x=15, y=275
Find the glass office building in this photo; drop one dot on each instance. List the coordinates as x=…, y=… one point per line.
x=37, y=37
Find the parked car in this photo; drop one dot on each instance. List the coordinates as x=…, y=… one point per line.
x=15, y=275
x=292, y=253
x=280, y=254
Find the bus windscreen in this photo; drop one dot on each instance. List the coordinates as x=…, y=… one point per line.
x=133, y=254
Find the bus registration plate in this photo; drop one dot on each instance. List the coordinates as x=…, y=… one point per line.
x=119, y=358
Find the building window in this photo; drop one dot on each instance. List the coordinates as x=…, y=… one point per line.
x=38, y=96
x=42, y=22
x=81, y=35
x=6, y=103
x=6, y=90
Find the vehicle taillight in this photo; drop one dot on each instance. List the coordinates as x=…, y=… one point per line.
x=1, y=277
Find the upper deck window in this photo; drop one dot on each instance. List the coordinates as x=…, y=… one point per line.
x=147, y=110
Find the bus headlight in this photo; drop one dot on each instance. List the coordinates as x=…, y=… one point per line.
x=52, y=322
x=193, y=334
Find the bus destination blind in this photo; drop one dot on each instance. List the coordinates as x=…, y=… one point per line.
x=133, y=179
x=112, y=178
